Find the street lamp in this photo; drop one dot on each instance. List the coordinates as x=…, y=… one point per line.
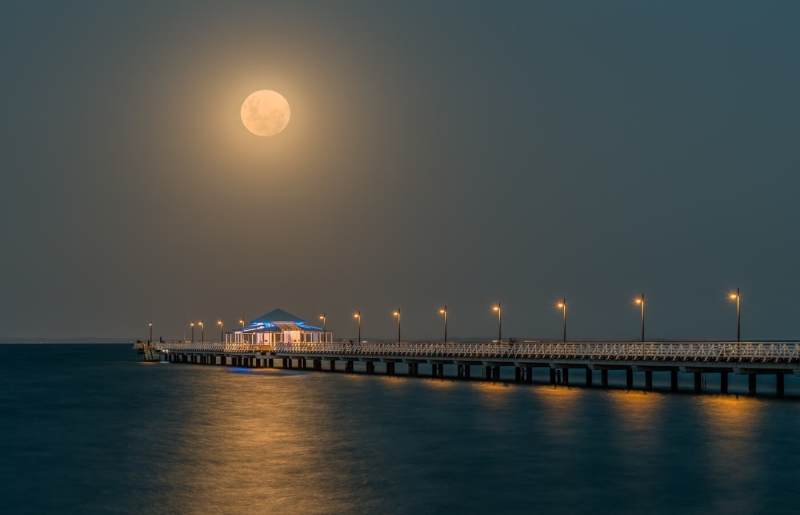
x=738, y=315
x=563, y=305
x=443, y=311
x=151, y=332
x=192, y=324
x=358, y=316
x=241, y=321
x=397, y=314
x=324, y=327
x=640, y=300
x=221, y=331
x=202, y=331
x=499, y=309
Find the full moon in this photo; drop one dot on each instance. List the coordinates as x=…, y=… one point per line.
x=265, y=113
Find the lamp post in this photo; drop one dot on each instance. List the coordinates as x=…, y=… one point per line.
x=151, y=332
x=640, y=300
x=358, y=316
x=397, y=314
x=324, y=327
x=738, y=316
x=241, y=321
x=192, y=324
x=443, y=311
x=499, y=309
x=563, y=305
x=202, y=331
x=221, y=331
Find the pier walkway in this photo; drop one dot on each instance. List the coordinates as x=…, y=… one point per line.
x=747, y=358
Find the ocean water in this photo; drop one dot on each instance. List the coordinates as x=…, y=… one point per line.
x=90, y=429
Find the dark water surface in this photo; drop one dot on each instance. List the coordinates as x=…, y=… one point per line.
x=89, y=429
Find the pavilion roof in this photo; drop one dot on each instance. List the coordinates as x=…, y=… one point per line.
x=277, y=316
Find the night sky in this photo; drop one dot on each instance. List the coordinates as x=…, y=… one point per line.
x=458, y=153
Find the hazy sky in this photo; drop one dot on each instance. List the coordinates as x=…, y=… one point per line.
x=438, y=152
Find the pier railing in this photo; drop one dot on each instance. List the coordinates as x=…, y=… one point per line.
x=752, y=352
x=225, y=348
x=628, y=351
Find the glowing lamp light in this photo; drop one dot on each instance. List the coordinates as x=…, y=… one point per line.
x=495, y=308
x=733, y=296
x=638, y=301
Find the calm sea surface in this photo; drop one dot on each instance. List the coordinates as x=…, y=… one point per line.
x=90, y=429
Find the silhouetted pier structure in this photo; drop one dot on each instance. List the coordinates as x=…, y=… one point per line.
x=697, y=358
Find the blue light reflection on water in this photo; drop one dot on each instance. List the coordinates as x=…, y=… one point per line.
x=90, y=429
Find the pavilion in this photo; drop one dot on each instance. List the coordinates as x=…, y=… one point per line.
x=278, y=326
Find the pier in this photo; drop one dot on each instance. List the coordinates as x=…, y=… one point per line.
x=564, y=362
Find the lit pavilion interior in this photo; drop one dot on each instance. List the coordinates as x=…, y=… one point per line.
x=278, y=326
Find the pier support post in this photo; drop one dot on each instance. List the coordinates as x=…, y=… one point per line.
x=751, y=384
x=604, y=378
x=467, y=369
x=648, y=380
x=496, y=373
x=673, y=380
x=270, y=363
x=488, y=373
x=723, y=382
x=348, y=367
x=517, y=374
x=370, y=367
x=588, y=377
x=779, y=384
x=332, y=365
x=698, y=382
x=629, y=378
x=460, y=371
x=565, y=375
x=529, y=375
x=552, y=376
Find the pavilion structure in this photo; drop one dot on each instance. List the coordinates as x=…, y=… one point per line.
x=278, y=326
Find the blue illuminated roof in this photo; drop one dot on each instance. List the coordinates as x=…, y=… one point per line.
x=277, y=316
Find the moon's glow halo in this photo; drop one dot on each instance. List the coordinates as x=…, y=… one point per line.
x=265, y=112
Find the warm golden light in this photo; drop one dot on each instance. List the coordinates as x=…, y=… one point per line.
x=639, y=301
x=560, y=304
x=733, y=296
x=396, y=313
x=441, y=311
x=322, y=318
x=265, y=113
x=219, y=322
x=496, y=308
x=357, y=315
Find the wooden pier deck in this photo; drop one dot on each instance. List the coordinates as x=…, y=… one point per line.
x=697, y=358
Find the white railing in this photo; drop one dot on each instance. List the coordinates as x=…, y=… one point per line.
x=214, y=347
x=595, y=351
